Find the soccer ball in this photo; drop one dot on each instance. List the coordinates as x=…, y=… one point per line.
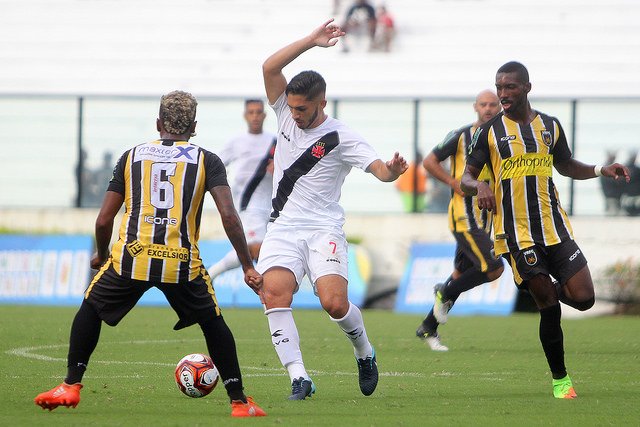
x=196, y=375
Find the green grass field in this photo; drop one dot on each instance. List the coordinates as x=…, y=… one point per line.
x=494, y=374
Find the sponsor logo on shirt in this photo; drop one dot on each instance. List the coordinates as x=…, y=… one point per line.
x=528, y=164
x=150, y=219
x=136, y=248
x=161, y=153
x=166, y=252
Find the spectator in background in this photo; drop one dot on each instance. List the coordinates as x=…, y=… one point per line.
x=95, y=181
x=408, y=181
x=103, y=175
x=360, y=17
x=630, y=199
x=612, y=190
x=385, y=31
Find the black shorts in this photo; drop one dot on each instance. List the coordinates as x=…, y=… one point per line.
x=113, y=296
x=562, y=261
x=475, y=249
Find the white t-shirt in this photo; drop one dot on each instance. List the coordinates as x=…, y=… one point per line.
x=248, y=153
x=310, y=166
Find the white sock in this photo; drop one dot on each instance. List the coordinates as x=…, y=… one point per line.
x=353, y=327
x=228, y=262
x=286, y=341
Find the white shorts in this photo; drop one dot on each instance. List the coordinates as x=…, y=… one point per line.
x=255, y=225
x=313, y=252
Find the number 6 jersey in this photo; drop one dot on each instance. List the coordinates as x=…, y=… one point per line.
x=163, y=183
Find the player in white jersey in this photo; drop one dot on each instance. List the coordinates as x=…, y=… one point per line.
x=313, y=156
x=251, y=155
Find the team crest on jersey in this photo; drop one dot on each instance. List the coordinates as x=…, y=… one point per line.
x=135, y=248
x=317, y=150
x=530, y=257
x=546, y=137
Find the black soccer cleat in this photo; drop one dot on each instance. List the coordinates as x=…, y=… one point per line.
x=368, y=373
x=301, y=388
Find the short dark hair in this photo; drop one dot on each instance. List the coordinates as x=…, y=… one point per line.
x=515, y=67
x=307, y=83
x=252, y=100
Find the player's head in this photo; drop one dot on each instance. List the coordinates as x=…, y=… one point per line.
x=512, y=86
x=177, y=114
x=254, y=115
x=486, y=106
x=306, y=99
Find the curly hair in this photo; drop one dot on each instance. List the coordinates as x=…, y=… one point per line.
x=178, y=111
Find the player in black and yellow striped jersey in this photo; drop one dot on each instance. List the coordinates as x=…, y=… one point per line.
x=162, y=185
x=474, y=262
x=521, y=146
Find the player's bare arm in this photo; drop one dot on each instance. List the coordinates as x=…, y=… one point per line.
x=233, y=228
x=435, y=169
x=111, y=204
x=326, y=35
x=470, y=185
x=578, y=170
x=390, y=170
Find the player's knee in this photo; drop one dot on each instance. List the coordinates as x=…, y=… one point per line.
x=276, y=298
x=584, y=305
x=335, y=307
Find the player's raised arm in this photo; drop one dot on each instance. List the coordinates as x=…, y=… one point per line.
x=325, y=35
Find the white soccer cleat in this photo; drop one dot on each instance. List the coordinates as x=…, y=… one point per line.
x=441, y=306
x=434, y=343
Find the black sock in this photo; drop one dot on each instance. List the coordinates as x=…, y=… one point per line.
x=222, y=348
x=467, y=280
x=85, y=332
x=430, y=324
x=552, y=340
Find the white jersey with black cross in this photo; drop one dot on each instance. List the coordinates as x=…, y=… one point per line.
x=310, y=166
x=251, y=186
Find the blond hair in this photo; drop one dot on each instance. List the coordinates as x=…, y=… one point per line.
x=178, y=111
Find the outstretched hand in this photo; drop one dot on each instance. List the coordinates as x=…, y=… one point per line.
x=398, y=165
x=327, y=34
x=616, y=171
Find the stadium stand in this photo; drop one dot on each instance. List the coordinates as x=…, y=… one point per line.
x=443, y=47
